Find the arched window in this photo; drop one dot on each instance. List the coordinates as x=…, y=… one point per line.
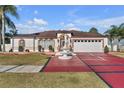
x=22, y=43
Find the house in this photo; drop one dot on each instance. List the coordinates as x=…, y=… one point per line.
x=77, y=41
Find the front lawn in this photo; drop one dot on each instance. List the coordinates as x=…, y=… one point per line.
x=23, y=59
x=119, y=54
x=47, y=80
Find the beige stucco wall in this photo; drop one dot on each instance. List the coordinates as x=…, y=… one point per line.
x=28, y=44
x=8, y=47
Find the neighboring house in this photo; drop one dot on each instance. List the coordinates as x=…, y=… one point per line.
x=77, y=41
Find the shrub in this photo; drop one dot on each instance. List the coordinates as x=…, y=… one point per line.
x=11, y=50
x=21, y=49
x=106, y=49
x=51, y=48
x=39, y=48
x=27, y=50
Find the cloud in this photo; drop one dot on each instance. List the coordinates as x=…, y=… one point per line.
x=103, y=23
x=32, y=26
x=26, y=29
x=38, y=22
x=71, y=26
x=62, y=23
x=35, y=12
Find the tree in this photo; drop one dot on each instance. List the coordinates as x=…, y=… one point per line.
x=115, y=32
x=120, y=35
x=106, y=49
x=0, y=34
x=13, y=33
x=5, y=20
x=111, y=34
x=94, y=30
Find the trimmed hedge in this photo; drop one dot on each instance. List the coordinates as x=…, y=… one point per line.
x=106, y=49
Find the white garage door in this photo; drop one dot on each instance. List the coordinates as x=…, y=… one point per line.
x=88, y=46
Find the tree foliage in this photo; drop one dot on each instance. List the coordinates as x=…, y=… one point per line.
x=94, y=30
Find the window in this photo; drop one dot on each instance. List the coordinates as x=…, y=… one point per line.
x=78, y=40
x=74, y=40
x=81, y=40
x=22, y=43
x=92, y=40
x=99, y=40
x=88, y=40
x=85, y=40
x=95, y=40
x=7, y=41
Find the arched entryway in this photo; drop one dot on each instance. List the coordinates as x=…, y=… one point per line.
x=64, y=42
x=45, y=43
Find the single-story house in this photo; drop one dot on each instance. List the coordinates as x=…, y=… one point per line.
x=77, y=41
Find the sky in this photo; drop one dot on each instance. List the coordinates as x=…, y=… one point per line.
x=37, y=18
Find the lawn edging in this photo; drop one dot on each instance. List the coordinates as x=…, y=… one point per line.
x=45, y=65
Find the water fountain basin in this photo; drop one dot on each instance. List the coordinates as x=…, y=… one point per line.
x=65, y=54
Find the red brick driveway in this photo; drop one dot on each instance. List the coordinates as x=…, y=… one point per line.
x=73, y=65
x=109, y=68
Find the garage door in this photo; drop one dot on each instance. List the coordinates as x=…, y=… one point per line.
x=88, y=46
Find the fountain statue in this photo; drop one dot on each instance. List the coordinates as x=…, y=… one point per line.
x=65, y=53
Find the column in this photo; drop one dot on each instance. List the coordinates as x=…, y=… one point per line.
x=65, y=41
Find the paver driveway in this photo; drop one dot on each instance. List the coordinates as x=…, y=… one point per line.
x=108, y=67
x=73, y=65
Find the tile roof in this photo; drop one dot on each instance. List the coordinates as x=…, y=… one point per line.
x=53, y=34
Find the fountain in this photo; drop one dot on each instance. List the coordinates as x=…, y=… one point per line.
x=65, y=53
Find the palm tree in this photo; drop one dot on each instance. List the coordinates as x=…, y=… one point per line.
x=4, y=10
x=115, y=32
x=120, y=35
x=112, y=34
x=0, y=35
x=13, y=32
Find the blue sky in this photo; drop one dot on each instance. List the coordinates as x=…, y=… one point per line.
x=34, y=18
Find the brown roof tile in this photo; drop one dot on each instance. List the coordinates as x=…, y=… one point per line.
x=53, y=33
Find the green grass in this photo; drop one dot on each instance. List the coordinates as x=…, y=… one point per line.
x=23, y=59
x=47, y=80
x=119, y=54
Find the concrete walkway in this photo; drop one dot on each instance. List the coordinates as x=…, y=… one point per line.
x=20, y=69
